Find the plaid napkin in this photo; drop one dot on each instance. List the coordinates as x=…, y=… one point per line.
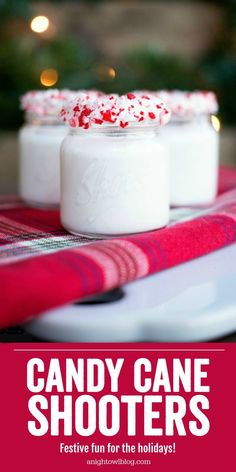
x=42, y=266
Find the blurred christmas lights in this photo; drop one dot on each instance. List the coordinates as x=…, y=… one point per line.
x=111, y=73
x=49, y=77
x=215, y=123
x=105, y=73
x=39, y=24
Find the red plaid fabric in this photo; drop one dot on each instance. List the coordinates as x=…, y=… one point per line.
x=42, y=266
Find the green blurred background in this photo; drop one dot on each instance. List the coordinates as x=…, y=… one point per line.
x=81, y=62
x=117, y=45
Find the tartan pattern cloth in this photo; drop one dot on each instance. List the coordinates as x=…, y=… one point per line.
x=42, y=266
x=25, y=232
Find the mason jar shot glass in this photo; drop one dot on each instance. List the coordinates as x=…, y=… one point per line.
x=114, y=169
x=193, y=140
x=39, y=147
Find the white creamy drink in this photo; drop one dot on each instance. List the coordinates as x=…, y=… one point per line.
x=39, y=144
x=114, y=170
x=194, y=147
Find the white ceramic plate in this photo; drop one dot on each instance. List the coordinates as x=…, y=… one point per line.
x=195, y=301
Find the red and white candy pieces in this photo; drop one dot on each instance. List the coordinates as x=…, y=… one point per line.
x=189, y=104
x=88, y=110
x=45, y=102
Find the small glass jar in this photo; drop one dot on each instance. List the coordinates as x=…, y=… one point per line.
x=114, y=181
x=39, y=170
x=193, y=142
x=194, y=160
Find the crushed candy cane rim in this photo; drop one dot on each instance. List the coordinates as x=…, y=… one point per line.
x=49, y=102
x=188, y=105
x=115, y=110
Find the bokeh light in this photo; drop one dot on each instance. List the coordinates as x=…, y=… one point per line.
x=105, y=73
x=111, y=73
x=39, y=24
x=49, y=77
x=215, y=123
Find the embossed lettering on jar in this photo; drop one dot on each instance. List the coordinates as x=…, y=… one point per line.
x=115, y=179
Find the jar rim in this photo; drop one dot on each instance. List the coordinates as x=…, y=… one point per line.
x=114, y=110
x=116, y=130
x=176, y=119
x=36, y=119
